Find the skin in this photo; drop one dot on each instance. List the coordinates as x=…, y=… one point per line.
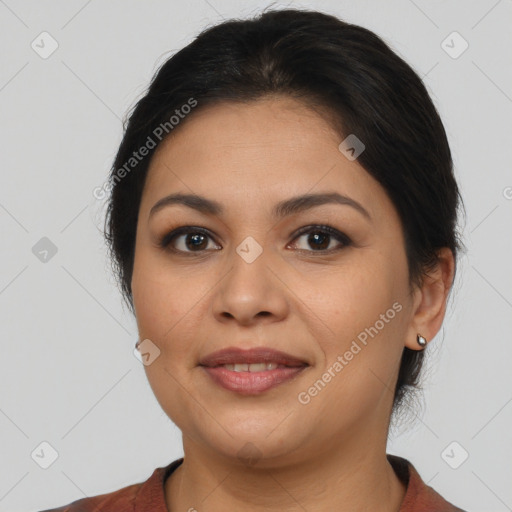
x=328, y=454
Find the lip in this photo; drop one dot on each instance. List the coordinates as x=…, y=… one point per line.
x=232, y=355
x=251, y=383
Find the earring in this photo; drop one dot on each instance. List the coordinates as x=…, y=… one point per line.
x=422, y=342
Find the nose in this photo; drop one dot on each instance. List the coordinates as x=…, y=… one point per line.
x=251, y=291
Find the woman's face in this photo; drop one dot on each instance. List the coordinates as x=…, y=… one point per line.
x=243, y=277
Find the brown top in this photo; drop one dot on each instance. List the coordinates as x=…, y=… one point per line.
x=149, y=496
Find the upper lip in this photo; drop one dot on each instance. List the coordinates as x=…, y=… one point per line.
x=232, y=355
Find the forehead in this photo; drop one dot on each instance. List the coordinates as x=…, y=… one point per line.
x=275, y=147
x=256, y=130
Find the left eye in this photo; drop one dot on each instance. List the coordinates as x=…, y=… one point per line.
x=188, y=239
x=321, y=236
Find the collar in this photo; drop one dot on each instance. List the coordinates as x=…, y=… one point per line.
x=419, y=497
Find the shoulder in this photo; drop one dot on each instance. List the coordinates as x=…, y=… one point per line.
x=123, y=500
x=419, y=497
x=140, y=497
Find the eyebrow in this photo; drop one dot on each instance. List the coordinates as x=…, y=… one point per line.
x=283, y=209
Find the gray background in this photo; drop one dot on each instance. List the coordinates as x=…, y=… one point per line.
x=68, y=373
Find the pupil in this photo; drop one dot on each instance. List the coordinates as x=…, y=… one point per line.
x=196, y=238
x=315, y=237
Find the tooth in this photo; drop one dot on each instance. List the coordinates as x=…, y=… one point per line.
x=257, y=367
x=253, y=367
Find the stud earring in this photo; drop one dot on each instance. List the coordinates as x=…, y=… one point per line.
x=422, y=342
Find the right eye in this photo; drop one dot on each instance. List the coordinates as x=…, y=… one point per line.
x=186, y=239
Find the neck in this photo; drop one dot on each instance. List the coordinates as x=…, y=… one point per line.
x=344, y=478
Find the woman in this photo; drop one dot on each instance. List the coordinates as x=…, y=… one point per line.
x=283, y=224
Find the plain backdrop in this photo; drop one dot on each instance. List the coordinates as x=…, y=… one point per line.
x=69, y=72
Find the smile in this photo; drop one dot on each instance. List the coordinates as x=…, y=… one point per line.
x=251, y=379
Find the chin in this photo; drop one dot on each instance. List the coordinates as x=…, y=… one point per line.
x=255, y=445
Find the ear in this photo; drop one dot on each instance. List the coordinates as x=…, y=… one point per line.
x=430, y=300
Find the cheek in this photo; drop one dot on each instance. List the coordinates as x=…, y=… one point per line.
x=161, y=304
x=362, y=311
x=350, y=298
x=159, y=298
x=361, y=353
x=171, y=302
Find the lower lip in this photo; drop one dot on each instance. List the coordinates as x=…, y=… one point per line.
x=251, y=383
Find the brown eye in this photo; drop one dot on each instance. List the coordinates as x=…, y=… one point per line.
x=190, y=239
x=320, y=238
x=186, y=239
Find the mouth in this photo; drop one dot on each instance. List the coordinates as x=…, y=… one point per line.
x=253, y=367
x=254, y=356
x=250, y=372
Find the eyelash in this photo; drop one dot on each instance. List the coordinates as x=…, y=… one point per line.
x=167, y=239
